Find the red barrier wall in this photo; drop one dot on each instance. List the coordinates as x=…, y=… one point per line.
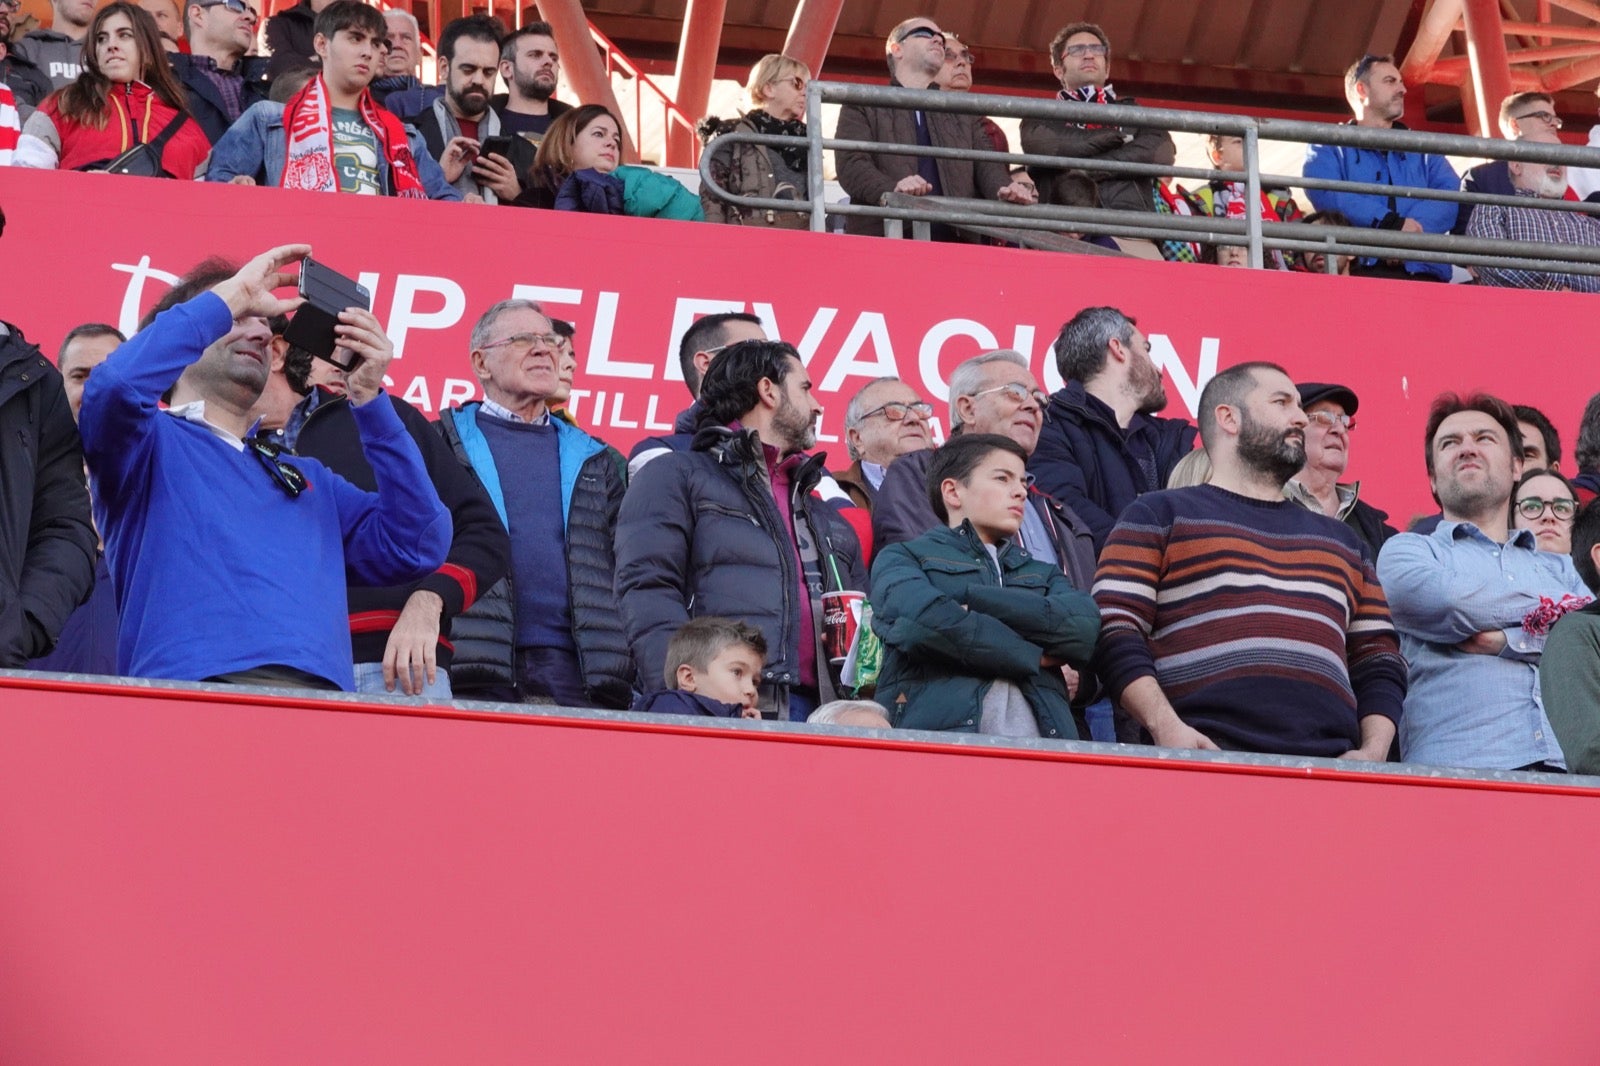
x=189, y=880
x=82, y=247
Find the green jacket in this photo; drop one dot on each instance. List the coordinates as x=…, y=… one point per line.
x=951, y=628
x=1569, y=681
x=646, y=194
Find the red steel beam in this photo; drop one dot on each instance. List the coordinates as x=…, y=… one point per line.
x=1438, y=22
x=812, y=31
x=697, y=65
x=1491, y=68
x=1545, y=32
x=582, y=63
x=1571, y=75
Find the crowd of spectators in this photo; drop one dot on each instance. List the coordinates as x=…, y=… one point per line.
x=336, y=104
x=1067, y=565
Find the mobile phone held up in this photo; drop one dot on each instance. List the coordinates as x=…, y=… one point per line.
x=327, y=292
x=499, y=144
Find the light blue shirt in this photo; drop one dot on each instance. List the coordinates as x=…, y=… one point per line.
x=1473, y=711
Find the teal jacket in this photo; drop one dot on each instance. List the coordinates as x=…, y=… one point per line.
x=951, y=628
x=646, y=194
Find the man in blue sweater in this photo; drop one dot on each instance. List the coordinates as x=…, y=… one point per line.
x=229, y=560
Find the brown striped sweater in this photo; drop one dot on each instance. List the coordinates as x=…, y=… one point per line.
x=1265, y=628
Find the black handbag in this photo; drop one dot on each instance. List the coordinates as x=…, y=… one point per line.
x=144, y=160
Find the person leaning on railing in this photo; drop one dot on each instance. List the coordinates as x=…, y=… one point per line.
x=578, y=168
x=777, y=89
x=1536, y=181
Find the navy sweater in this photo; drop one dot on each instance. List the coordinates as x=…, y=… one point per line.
x=216, y=568
x=538, y=531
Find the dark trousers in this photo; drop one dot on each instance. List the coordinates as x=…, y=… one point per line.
x=551, y=675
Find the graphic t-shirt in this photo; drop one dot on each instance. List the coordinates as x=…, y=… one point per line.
x=355, y=153
x=529, y=127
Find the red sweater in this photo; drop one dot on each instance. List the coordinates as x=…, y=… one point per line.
x=136, y=114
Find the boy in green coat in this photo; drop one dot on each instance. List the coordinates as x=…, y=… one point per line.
x=975, y=630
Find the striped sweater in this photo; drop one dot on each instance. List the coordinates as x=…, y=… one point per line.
x=1260, y=620
x=10, y=125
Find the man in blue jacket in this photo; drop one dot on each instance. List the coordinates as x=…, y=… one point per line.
x=1377, y=97
x=229, y=560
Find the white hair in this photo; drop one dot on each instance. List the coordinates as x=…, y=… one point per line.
x=408, y=16
x=969, y=377
x=829, y=713
x=856, y=411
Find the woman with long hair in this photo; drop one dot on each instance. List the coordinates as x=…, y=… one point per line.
x=579, y=168
x=126, y=96
x=777, y=90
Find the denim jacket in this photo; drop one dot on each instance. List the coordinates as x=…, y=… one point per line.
x=257, y=146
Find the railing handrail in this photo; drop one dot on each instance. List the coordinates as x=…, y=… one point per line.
x=670, y=111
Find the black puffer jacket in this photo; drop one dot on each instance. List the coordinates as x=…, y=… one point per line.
x=485, y=635
x=47, y=542
x=700, y=534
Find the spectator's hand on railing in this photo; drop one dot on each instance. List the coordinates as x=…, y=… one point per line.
x=1410, y=225
x=1366, y=755
x=456, y=157
x=241, y=179
x=360, y=335
x=252, y=291
x=495, y=173
x=411, y=657
x=914, y=185
x=1175, y=734
x=1018, y=193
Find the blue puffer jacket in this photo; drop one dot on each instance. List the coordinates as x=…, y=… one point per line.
x=1083, y=458
x=1386, y=212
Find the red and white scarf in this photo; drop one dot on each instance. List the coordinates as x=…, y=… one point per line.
x=1089, y=94
x=10, y=126
x=308, y=163
x=1229, y=203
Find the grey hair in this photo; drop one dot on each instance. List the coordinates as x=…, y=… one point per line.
x=1082, y=344
x=408, y=16
x=828, y=713
x=486, y=321
x=969, y=376
x=857, y=411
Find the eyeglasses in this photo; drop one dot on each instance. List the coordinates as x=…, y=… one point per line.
x=1549, y=118
x=1329, y=419
x=895, y=411
x=238, y=7
x=10, y=5
x=288, y=478
x=1018, y=393
x=1531, y=507
x=1078, y=51
x=921, y=31
x=526, y=342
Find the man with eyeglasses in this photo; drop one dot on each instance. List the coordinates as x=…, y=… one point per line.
x=956, y=77
x=57, y=52
x=1536, y=181
x=1377, y=95
x=550, y=631
x=884, y=420
x=1330, y=414
x=915, y=53
x=230, y=559
x=221, y=80
x=27, y=82
x=1080, y=56
x=1521, y=115
x=1471, y=602
x=1569, y=672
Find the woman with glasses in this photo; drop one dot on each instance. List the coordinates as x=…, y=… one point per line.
x=126, y=97
x=777, y=89
x=579, y=168
x=1544, y=502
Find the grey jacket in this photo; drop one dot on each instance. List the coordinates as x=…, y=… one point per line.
x=57, y=56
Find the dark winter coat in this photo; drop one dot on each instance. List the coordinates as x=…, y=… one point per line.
x=205, y=101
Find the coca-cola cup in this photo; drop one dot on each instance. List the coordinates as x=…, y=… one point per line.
x=841, y=614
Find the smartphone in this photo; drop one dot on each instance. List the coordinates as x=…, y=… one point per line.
x=499, y=145
x=327, y=292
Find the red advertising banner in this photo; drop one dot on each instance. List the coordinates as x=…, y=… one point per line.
x=86, y=247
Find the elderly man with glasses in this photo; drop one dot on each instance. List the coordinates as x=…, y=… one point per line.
x=1522, y=115
x=885, y=420
x=1080, y=56
x=1330, y=420
x=1536, y=181
x=550, y=631
x=222, y=81
x=915, y=52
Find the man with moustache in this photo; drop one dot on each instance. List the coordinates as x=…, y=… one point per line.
x=1536, y=181
x=1470, y=602
x=1330, y=421
x=531, y=67
x=731, y=528
x=456, y=124
x=883, y=421
x=1233, y=619
x=1102, y=444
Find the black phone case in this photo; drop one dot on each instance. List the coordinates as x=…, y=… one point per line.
x=327, y=293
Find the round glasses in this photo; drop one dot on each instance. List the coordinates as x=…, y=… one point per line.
x=1532, y=507
x=895, y=411
x=1329, y=419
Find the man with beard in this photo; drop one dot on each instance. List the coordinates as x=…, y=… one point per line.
x=58, y=51
x=455, y=126
x=1536, y=181
x=531, y=67
x=1473, y=601
x=230, y=561
x=1233, y=619
x=1102, y=444
x=731, y=528
x=26, y=81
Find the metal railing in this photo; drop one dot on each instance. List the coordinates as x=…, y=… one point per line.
x=1252, y=232
x=619, y=65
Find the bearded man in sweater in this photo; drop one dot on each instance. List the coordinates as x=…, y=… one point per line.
x=1234, y=619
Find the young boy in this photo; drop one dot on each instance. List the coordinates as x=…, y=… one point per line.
x=713, y=667
x=975, y=630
